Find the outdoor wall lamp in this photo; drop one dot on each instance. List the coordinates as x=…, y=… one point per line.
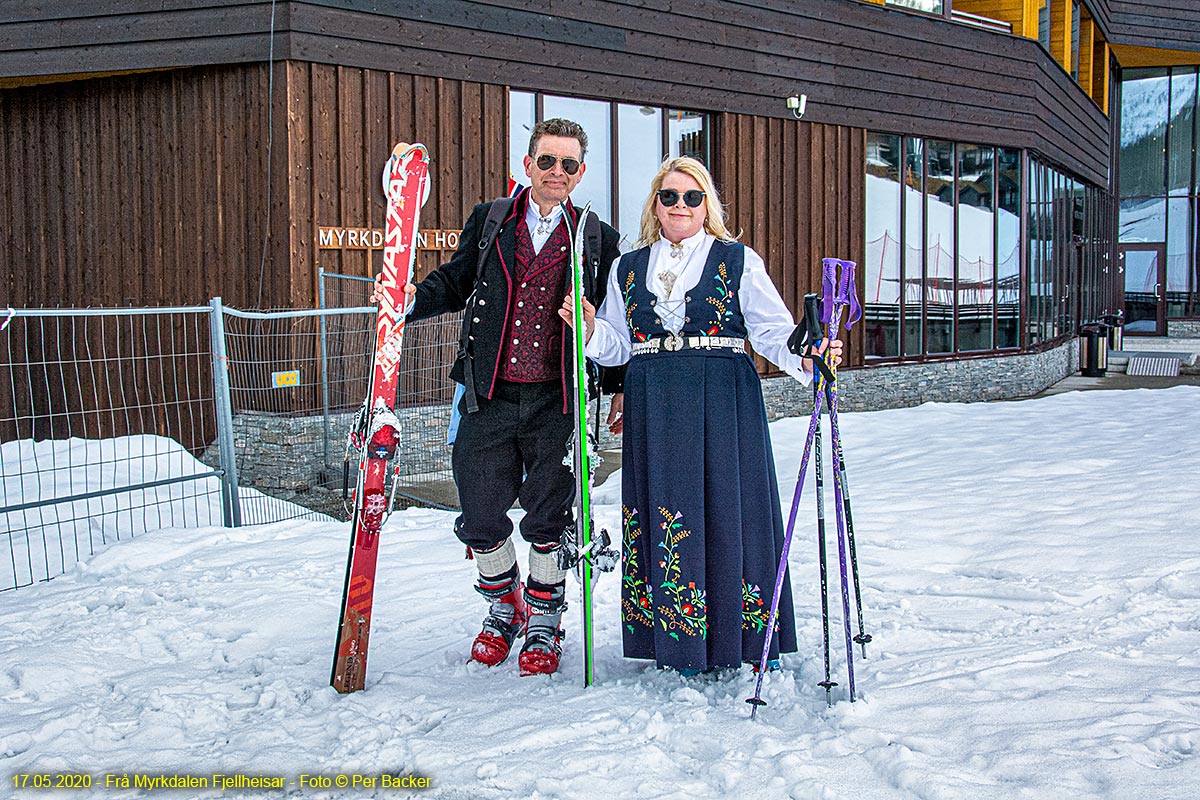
x=796, y=104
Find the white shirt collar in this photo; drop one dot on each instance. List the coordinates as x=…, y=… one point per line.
x=689, y=244
x=539, y=234
x=532, y=216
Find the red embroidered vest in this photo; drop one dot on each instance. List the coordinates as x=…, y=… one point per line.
x=533, y=338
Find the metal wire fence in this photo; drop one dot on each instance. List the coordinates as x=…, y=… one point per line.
x=424, y=399
x=103, y=413
x=115, y=422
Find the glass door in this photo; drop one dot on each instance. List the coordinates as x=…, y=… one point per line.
x=1145, y=268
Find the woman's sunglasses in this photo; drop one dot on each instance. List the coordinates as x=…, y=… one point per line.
x=569, y=165
x=670, y=197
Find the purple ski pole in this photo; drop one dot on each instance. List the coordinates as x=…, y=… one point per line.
x=769, y=634
x=813, y=426
x=839, y=290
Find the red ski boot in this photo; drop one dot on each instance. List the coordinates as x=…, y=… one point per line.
x=504, y=623
x=543, y=637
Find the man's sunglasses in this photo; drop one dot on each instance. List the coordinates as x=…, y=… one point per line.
x=569, y=165
x=670, y=197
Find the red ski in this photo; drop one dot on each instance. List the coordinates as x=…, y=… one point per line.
x=406, y=185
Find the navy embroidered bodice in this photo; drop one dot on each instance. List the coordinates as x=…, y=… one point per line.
x=711, y=306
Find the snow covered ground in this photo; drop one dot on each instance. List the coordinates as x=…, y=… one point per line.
x=1031, y=575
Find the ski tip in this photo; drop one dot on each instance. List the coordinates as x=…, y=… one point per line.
x=402, y=149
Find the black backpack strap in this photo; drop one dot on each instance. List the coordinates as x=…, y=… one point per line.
x=496, y=215
x=491, y=227
x=591, y=244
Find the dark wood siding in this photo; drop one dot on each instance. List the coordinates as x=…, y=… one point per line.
x=861, y=65
x=344, y=124
x=795, y=193
x=77, y=36
x=1167, y=24
x=153, y=189
x=140, y=190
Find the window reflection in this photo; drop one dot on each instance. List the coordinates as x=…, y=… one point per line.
x=522, y=114
x=1143, y=219
x=1181, y=133
x=881, y=288
x=639, y=152
x=914, y=237
x=1181, y=284
x=634, y=150
x=1158, y=187
x=976, y=240
x=688, y=135
x=594, y=116
x=1143, y=132
x=1008, y=247
x=939, y=247
x=1034, y=271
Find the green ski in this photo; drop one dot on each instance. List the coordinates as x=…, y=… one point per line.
x=583, y=547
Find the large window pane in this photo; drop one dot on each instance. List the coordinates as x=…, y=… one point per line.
x=882, y=273
x=1008, y=247
x=1144, y=103
x=976, y=261
x=1181, y=265
x=939, y=247
x=1070, y=290
x=639, y=153
x=1060, y=210
x=1181, y=130
x=914, y=240
x=1142, y=219
x=1041, y=300
x=593, y=115
x=634, y=151
x=1034, y=271
x=522, y=115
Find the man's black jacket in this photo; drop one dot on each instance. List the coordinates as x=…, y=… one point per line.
x=449, y=289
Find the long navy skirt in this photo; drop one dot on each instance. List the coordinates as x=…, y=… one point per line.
x=702, y=528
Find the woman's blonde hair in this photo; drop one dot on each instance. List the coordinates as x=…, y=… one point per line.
x=714, y=222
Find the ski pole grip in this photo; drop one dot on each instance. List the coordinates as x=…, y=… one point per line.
x=812, y=317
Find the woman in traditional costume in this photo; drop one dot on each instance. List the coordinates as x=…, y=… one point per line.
x=702, y=523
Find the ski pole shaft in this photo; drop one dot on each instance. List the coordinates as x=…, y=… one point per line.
x=863, y=637
x=822, y=557
x=768, y=634
x=838, y=509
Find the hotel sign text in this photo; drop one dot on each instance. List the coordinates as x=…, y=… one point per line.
x=372, y=239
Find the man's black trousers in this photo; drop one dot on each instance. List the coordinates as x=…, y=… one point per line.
x=513, y=448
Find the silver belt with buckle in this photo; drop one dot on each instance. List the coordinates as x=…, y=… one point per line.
x=675, y=342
